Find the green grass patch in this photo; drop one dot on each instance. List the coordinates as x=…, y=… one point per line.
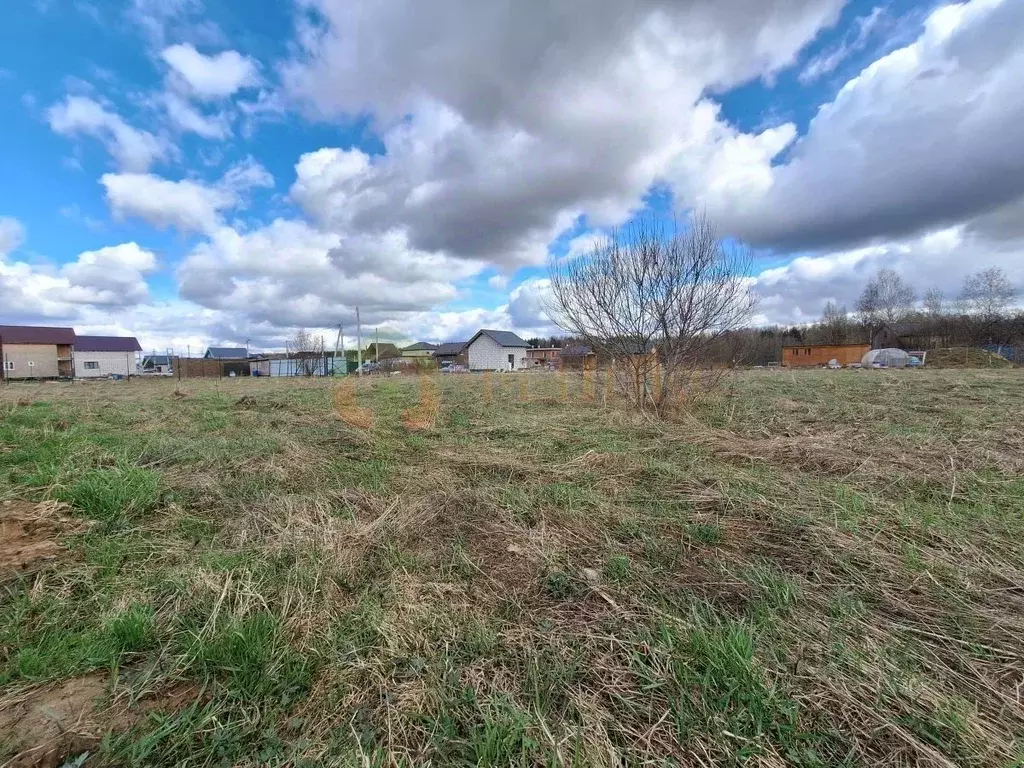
x=112, y=494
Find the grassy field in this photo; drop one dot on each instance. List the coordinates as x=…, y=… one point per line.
x=814, y=568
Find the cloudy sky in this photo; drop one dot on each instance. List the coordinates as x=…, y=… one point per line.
x=208, y=171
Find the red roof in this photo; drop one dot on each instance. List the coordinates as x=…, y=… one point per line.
x=35, y=334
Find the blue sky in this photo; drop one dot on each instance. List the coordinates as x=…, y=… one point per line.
x=201, y=171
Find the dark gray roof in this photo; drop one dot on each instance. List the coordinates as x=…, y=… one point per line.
x=450, y=348
x=34, y=334
x=156, y=360
x=107, y=344
x=503, y=338
x=227, y=353
x=575, y=350
x=419, y=346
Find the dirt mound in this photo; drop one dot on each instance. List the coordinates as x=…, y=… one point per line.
x=48, y=724
x=965, y=357
x=29, y=535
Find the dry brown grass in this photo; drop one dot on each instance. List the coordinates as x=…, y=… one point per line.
x=818, y=568
x=344, y=398
x=424, y=415
x=965, y=357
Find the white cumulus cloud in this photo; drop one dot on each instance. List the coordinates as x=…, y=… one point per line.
x=134, y=150
x=190, y=206
x=214, y=76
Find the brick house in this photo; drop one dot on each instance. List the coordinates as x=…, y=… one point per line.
x=537, y=357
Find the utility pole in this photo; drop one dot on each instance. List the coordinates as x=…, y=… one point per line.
x=359, y=343
x=3, y=361
x=337, y=343
x=376, y=346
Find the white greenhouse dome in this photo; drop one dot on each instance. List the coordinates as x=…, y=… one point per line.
x=885, y=358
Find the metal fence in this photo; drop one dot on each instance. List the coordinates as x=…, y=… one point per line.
x=309, y=366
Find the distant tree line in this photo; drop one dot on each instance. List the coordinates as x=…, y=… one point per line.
x=983, y=313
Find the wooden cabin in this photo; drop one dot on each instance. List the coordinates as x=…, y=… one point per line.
x=818, y=355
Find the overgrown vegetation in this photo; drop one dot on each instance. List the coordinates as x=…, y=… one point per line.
x=812, y=568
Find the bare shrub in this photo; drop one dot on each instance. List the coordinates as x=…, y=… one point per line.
x=308, y=352
x=654, y=301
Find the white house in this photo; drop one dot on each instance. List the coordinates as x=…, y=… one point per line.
x=496, y=351
x=99, y=356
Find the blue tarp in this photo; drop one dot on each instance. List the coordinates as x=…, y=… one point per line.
x=1012, y=354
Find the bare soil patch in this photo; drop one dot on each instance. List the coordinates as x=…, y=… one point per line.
x=30, y=535
x=45, y=725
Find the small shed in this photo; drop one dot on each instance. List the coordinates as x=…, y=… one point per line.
x=451, y=352
x=156, y=363
x=818, y=355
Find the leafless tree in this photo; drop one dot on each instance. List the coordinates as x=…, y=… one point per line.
x=654, y=300
x=985, y=300
x=935, y=303
x=835, y=324
x=308, y=352
x=987, y=294
x=886, y=299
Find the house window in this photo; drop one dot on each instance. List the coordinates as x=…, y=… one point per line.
x=8, y=365
x=91, y=365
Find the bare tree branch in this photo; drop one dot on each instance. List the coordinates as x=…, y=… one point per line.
x=654, y=300
x=308, y=352
x=887, y=298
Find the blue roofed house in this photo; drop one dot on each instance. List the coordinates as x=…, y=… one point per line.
x=492, y=350
x=156, y=364
x=227, y=353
